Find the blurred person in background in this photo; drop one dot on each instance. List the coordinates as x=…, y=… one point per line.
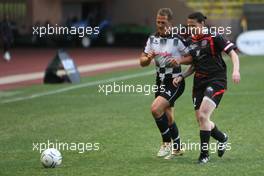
x=6, y=36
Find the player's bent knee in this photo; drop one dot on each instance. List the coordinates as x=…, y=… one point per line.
x=204, y=112
x=203, y=116
x=156, y=111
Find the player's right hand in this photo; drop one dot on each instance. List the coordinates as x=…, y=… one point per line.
x=236, y=77
x=151, y=55
x=177, y=80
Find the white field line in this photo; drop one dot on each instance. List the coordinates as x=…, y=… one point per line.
x=82, y=69
x=74, y=87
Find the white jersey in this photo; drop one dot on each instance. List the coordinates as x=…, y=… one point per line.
x=165, y=48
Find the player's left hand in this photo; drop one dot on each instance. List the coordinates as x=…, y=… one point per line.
x=236, y=77
x=176, y=81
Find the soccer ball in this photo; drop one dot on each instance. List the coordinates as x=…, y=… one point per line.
x=51, y=158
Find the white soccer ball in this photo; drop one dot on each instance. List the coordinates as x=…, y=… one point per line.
x=51, y=158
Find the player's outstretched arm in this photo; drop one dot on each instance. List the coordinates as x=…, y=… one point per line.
x=189, y=71
x=185, y=60
x=235, y=60
x=145, y=59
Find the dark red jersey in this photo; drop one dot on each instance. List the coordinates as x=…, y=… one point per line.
x=207, y=56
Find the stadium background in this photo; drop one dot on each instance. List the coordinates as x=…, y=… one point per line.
x=126, y=26
x=30, y=111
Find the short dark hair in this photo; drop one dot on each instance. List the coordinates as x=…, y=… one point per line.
x=197, y=16
x=166, y=12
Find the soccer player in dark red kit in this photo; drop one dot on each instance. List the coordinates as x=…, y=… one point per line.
x=210, y=79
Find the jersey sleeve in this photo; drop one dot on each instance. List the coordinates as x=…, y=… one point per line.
x=223, y=44
x=182, y=48
x=148, y=47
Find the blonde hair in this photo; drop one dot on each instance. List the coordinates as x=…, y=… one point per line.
x=166, y=12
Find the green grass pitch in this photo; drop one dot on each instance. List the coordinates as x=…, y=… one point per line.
x=127, y=134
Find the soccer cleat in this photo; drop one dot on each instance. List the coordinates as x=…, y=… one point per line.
x=175, y=153
x=7, y=56
x=203, y=159
x=221, y=146
x=164, y=150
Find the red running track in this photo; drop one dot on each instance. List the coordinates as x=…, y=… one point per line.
x=36, y=60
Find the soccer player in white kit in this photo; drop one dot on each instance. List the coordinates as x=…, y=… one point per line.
x=161, y=47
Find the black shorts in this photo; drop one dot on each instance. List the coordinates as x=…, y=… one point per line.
x=212, y=89
x=168, y=91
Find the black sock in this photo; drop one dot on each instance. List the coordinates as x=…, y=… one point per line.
x=217, y=134
x=175, y=136
x=163, y=126
x=205, y=137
